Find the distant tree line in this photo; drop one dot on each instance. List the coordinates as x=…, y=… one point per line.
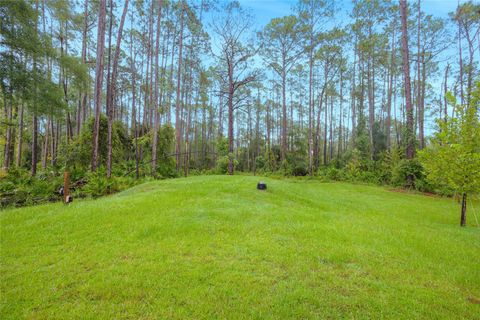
x=164, y=88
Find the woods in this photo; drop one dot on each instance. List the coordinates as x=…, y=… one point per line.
x=135, y=89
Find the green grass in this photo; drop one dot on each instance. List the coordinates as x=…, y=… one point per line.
x=215, y=247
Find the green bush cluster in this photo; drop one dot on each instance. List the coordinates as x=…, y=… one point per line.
x=18, y=188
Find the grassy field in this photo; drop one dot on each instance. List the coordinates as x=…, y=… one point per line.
x=215, y=247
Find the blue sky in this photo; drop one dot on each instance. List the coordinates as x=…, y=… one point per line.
x=264, y=10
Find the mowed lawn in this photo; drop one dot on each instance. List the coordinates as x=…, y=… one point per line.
x=215, y=247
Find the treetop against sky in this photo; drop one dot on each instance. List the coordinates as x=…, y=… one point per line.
x=265, y=10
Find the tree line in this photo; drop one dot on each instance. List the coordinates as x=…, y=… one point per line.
x=162, y=88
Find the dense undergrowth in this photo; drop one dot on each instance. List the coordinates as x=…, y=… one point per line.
x=18, y=188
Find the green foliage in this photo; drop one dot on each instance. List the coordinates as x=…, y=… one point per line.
x=390, y=160
x=362, y=142
x=23, y=41
x=452, y=161
x=222, y=163
x=260, y=163
x=408, y=168
x=99, y=185
x=294, y=165
x=354, y=166
x=222, y=146
x=272, y=157
x=18, y=188
x=299, y=168
x=332, y=173
x=78, y=153
x=165, y=148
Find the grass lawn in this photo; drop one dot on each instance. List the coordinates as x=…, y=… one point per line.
x=215, y=247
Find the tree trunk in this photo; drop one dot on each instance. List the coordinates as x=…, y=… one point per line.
x=34, y=143
x=178, y=100
x=220, y=114
x=460, y=62
x=470, y=64
x=52, y=145
x=20, y=137
x=98, y=80
x=419, y=86
x=310, y=108
x=134, y=110
x=8, y=134
x=371, y=105
x=45, y=144
x=410, y=139
x=421, y=105
x=390, y=92
x=34, y=116
x=445, y=90
x=155, y=108
x=83, y=95
x=147, y=101
x=108, y=107
x=284, y=113
x=353, y=94
x=111, y=96
x=325, y=162
x=331, y=130
x=463, y=216
x=230, y=118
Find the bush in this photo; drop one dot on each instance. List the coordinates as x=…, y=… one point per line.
x=406, y=168
x=222, y=163
x=390, y=159
x=299, y=169
x=18, y=188
x=99, y=185
x=333, y=173
x=260, y=163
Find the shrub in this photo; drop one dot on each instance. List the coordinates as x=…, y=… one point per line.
x=333, y=173
x=99, y=185
x=260, y=163
x=406, y=168
x=222, y=163
x=18, y=188
x=299, y=169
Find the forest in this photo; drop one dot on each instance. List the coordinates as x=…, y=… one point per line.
x=119, y=92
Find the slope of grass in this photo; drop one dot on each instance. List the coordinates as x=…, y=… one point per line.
x=215, y=247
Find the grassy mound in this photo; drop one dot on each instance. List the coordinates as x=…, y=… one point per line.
x=215, y=247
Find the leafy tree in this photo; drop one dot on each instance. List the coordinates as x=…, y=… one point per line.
x=453, y=159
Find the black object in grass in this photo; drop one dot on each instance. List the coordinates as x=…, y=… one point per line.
x=261, y=186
